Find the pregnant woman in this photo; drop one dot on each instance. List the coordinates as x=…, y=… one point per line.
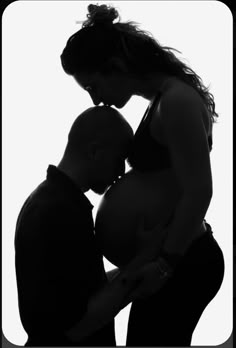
x=170, y=181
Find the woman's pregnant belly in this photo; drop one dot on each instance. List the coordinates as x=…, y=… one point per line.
x=153, y=195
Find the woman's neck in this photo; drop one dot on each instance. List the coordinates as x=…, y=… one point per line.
x=148, y=88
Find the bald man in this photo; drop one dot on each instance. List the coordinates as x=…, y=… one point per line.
x=60, y=272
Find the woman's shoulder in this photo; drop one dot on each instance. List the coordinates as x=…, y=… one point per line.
x=179, y=92
x=182, y=96
x=183, y=99
x=176, y=97
x=180, y=104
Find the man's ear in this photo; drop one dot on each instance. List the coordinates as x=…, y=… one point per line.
x=94, y=151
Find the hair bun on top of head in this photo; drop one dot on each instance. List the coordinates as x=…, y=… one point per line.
x=100, y=15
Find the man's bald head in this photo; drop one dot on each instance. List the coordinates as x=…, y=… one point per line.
x=98, y=144
x=102, y=125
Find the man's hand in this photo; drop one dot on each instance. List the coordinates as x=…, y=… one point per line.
x=148, y=281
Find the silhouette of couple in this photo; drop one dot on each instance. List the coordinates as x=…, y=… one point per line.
x=150, y=222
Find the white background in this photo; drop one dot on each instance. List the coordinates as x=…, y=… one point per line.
x=40, y=103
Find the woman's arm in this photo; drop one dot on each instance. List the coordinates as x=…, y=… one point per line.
x=186, y=136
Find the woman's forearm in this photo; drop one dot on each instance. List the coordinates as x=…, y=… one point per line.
x=187, y=220
x=178, y=234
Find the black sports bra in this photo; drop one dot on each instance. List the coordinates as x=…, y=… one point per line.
x=147, y=154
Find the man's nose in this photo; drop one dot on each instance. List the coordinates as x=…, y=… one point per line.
x=121, y=170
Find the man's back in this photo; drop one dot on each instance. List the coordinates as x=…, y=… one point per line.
x=58, y=265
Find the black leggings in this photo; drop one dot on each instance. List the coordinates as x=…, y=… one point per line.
x=169, y=317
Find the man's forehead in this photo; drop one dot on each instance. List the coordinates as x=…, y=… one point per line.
x=82, y=78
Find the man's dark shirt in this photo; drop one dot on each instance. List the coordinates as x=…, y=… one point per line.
x=58, y=264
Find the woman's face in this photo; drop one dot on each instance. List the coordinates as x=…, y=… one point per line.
x=110, y=89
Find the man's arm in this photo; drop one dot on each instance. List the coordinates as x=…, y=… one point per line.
x=124, y=287
x=103, y=307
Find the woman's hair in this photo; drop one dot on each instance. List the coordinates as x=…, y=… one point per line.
x=100, y=38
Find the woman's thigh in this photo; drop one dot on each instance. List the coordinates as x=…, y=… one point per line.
x=170, y=317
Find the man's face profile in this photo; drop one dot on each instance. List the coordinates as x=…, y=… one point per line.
x=108, y=168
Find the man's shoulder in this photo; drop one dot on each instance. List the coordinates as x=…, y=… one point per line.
x=46, y=207
x=39, y=201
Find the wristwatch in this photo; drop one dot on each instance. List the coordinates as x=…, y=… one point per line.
x=164, y=269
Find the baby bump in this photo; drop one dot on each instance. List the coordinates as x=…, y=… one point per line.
x=152, y=195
